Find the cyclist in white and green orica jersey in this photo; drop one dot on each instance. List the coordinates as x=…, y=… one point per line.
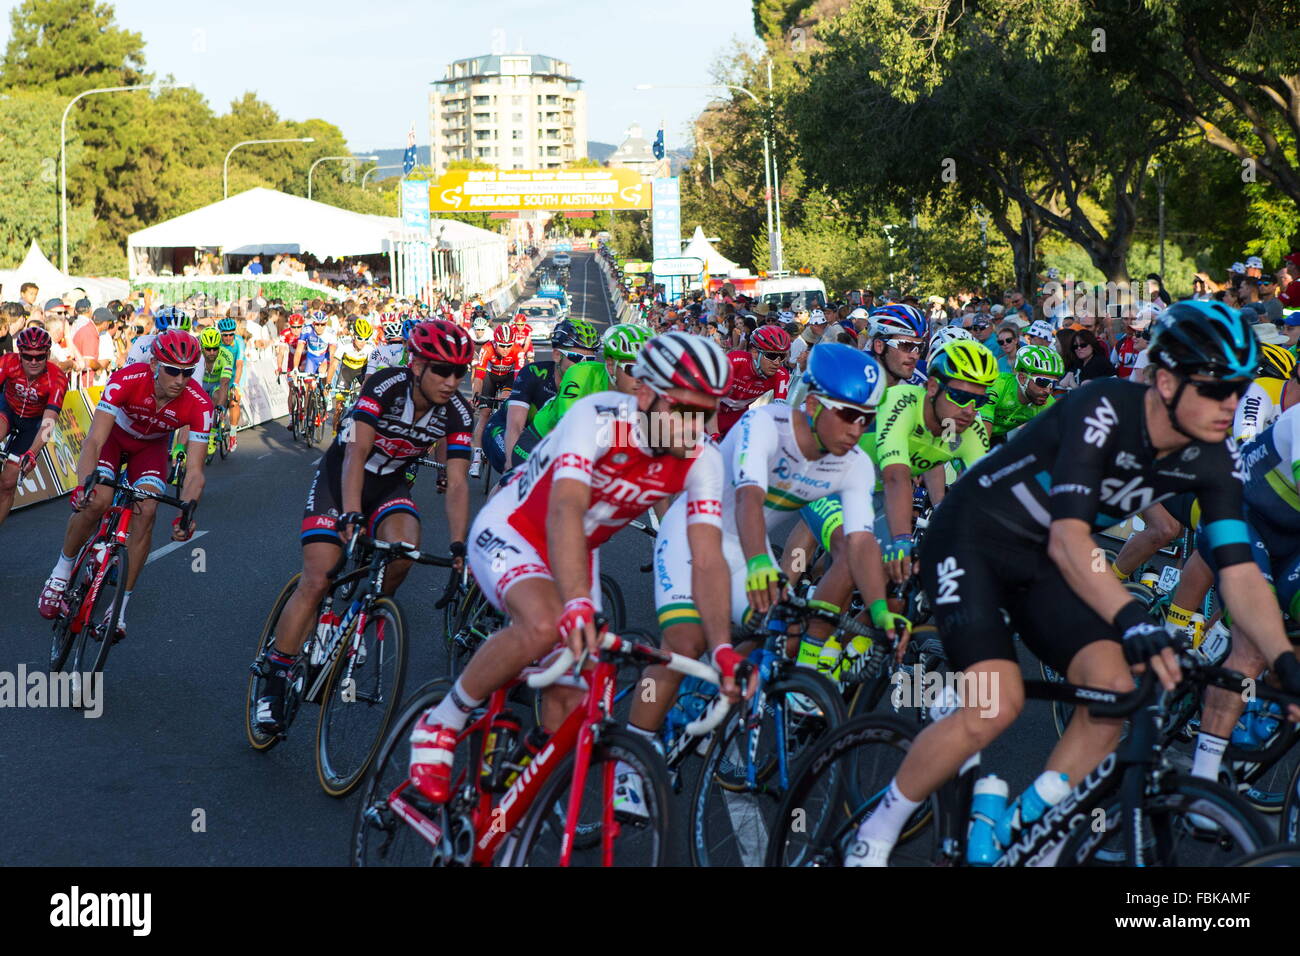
x=1025, y=392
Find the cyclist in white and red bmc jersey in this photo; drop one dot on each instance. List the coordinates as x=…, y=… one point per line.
x=755, y=372
x=533, y=546
x=141, y=406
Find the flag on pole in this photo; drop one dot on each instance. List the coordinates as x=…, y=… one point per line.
x=408, y=161
x=658, y=147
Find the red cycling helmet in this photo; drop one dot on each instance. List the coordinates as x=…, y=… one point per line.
x=35, y=339
x=503, y=336
x=521, y=318
x=295, y=321
x=178, y=348
x=441, y=341
x=770, y=338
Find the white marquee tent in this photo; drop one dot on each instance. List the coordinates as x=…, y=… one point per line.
x=715, y=263
x=51, y=282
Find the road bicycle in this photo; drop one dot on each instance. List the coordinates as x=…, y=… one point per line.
x=90, y=621
x=1133, y=809
x=353, y=665
x=513, y=807
x=314, y=413
x=220, y=434
x=344, y=399
x=297, y=404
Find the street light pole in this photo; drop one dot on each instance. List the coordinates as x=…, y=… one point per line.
x=1160, y=188
x=773, y=239
x=225, y=166
x=375, y=169
x=776, y=176
x=63, y=155
x=323, y=159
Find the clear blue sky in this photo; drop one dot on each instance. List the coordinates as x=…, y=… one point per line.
x=366, y=66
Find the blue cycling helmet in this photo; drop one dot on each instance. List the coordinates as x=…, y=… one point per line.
x=899, y=319
x=843, y=374
x=407, y=326
x=226, y=325
x=170, y=316
x=1204, y=338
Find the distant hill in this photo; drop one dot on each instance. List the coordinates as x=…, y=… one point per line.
x=600, y=152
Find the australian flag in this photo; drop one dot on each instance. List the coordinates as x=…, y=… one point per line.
x=658, y=147
x=408, y=161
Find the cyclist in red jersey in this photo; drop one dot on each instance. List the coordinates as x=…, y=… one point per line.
x=755, y=371
x=31, y=394
x=533, y=546
x=524, y=336
x=141, y=406
x=289, y=343
x=494, y=373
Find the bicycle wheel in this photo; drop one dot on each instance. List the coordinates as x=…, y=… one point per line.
x=1289, y=825
x=1264, y=772
x=83, y=575
x=315, y=417
x=380, y=836
x=256, y=738
x=475, y=621
x=637, y=841
x=362, y=693
x=612, y=604
x=732, y=818
x=1174, y=829
x=223, y=438
x=837, y=785
x=1282, y=854
x=90, y=650
x=295, y=413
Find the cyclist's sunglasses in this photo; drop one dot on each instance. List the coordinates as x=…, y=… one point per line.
x=34, y=357
x=1218, y=391
x=176, y=372
x=447, y=370
x=1044, y=382
x=227, y=335
x=214, y=348
x=849, y=414
x=775, y=356
x=576, y=356
x=903, y=345
x=966, y=399
x=684, y=408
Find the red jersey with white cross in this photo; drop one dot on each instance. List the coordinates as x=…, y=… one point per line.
x=504, y=362
x=29, y=397
x=746, y=386
x=129, y=398
x=600, y=442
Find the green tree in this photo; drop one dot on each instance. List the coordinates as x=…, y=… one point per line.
x=67, y=46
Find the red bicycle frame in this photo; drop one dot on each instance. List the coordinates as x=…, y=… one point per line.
x=115, y=524
x=492, y=824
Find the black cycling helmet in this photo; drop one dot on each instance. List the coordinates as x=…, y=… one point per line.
x=1204, y=338
x=575, y=334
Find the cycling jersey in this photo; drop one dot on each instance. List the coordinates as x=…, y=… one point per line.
x=901, y=435
x=1007, y=411
x=580, y=380
x=290, y=338
x=601, y=444
x=746, y=386
x=21, y=397
x=315, y=351
x=236, y=347
x=385, y=356
x=499, y=363
x=385, y=404
x=1258, y=408
x=761, y=451
x=142, y=351
x=1124, y=355
x=129, y=398
x=352, y=356
x=532, y=388
x=223, y=368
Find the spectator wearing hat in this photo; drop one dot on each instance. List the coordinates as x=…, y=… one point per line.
x=1291, y=328
x=809, y=336
x=1264, y=330
x=1040, y=332
x=101, y=361
x=981, y=326
x=1267, y=285
x=1201, y=287
x=1132, y=342
x=1156, y=292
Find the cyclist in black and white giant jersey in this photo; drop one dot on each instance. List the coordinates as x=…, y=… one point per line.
x=1015, y=533
x=401, y=413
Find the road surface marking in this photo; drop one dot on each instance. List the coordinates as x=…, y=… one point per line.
x=167, y=549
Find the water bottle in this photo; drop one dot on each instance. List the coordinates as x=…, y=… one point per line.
x=502, y=741
x=525, y=751
x=985, y=810
x=1257, y=724
x=1049, y=789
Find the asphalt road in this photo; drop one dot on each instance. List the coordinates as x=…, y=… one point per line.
x=165, y=776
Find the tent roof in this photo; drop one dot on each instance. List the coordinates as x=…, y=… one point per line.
x=267, y=221
x=52, y=282
x=715, y=263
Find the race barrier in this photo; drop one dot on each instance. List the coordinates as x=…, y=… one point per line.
x=55, y=474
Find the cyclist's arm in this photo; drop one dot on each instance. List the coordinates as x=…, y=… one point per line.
x=516, y=419
x=354, y=463
x=48, y=421
x=457, y=447
x=749, y=466
x=898, y=497
x=195, y=480
x=1071, y=548
x=100, y=426
x=297, y=355
x=566, y=543
x=936, y=483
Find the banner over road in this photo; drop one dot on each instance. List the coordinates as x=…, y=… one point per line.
x=557, y=190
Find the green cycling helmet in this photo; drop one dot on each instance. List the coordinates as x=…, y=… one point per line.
x=584, y=334
x=210, y=338
x=623, y=342
x=967, y=361
x=1039, y=360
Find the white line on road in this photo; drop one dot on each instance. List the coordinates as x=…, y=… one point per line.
x=267, y=455
x=167, y=549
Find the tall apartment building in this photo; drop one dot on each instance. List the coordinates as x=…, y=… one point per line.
x=516, y=111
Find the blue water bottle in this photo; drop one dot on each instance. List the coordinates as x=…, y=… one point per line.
x=986, y=809
x=1049, y=789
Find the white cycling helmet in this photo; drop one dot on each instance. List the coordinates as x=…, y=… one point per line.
x=949, y=333
x=481, y=329
x=1041, y=329
x=680, y=360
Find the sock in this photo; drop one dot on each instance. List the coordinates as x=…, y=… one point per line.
x=454, y=711
x=1114, y=569
x=1209, y=754
x=887, y=820
x=1178, y=616
x=63, y=567
x=640, y=732
x=126, y=598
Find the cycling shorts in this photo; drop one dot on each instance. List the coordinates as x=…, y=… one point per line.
x=313, y=364
x=23, y=430
x=493, y=384
x=381, y=496
x=494, y=446
x=349, y=377
x=674, y=597
x=1274, y=544
x=147, y=459
x=972, y=572
x=500, y=557
x=825, y=516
